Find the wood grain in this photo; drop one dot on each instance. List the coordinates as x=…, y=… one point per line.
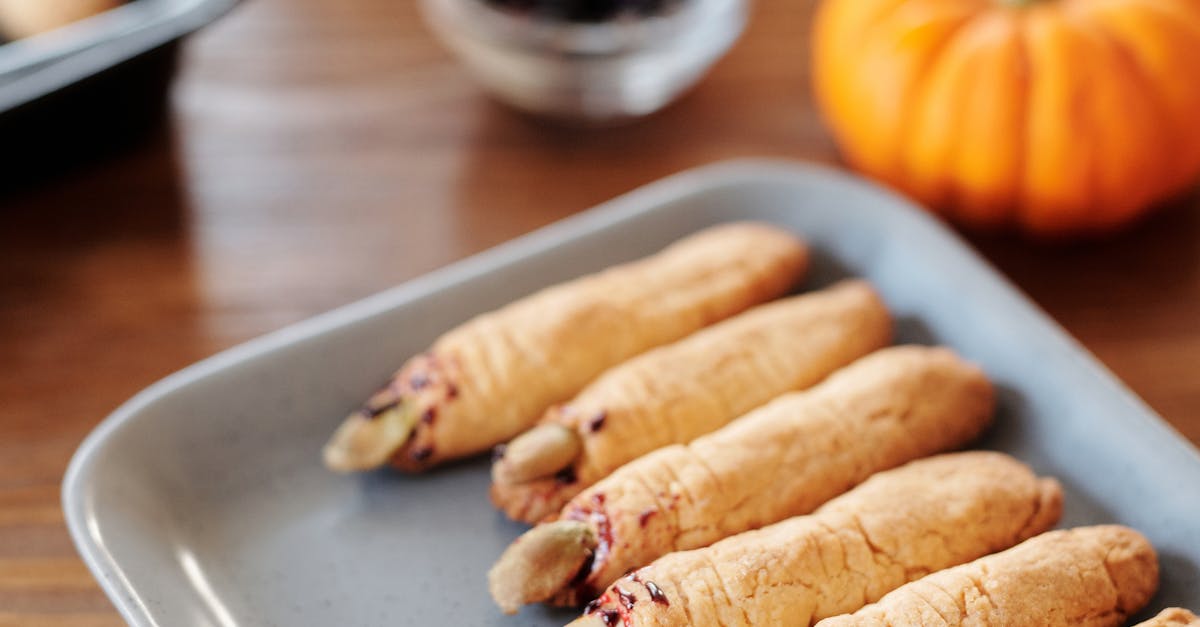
x=320, y=151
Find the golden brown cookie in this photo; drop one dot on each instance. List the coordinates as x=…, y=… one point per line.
x=1083, y=577
x=678, y=392
x=781, y=460
x=25, y=18
x=493, y=376
x=897, y=526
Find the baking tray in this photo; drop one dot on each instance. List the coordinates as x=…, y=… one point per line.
x=34, y=67
x=92, y=86
x=202, y=501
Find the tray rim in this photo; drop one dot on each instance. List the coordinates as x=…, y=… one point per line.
x=106, y=52
x=124, y=596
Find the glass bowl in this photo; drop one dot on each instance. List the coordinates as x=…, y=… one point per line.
x=600, y=70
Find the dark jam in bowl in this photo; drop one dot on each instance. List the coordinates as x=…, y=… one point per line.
x=596, y=62
x=586, y=10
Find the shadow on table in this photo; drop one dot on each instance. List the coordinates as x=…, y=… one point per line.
x=1153, y=260
x=105, y=115
x=95, y=234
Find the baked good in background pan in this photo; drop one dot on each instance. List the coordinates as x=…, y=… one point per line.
x=25, y=18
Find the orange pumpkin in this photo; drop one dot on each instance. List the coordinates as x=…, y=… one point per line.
x=1056, y=116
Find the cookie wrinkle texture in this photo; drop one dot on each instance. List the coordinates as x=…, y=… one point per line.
x=1088, y=576
x=894, y=528
x=492, y=377
x=676, y=393
x=784, y=459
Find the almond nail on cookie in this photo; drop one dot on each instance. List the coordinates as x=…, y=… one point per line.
x=681, y=391
x=897, y=526
x=492, y=377
x=1083, y=577
x=781, y=460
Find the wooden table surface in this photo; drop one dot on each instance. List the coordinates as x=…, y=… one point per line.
x=317, y=152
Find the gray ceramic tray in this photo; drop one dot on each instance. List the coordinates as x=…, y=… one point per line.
x=202, y=501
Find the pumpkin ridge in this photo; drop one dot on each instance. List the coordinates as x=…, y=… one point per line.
x=912, y=97
x=1175, y=15
x=884, y=23
x=1054, y=196
x=885, y=13
x=1161, y=46
x=1081, y=107
x=987, y=41
x=1147, y=89
x=834, y=27
x=1184, y=13
x=1026, y=73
